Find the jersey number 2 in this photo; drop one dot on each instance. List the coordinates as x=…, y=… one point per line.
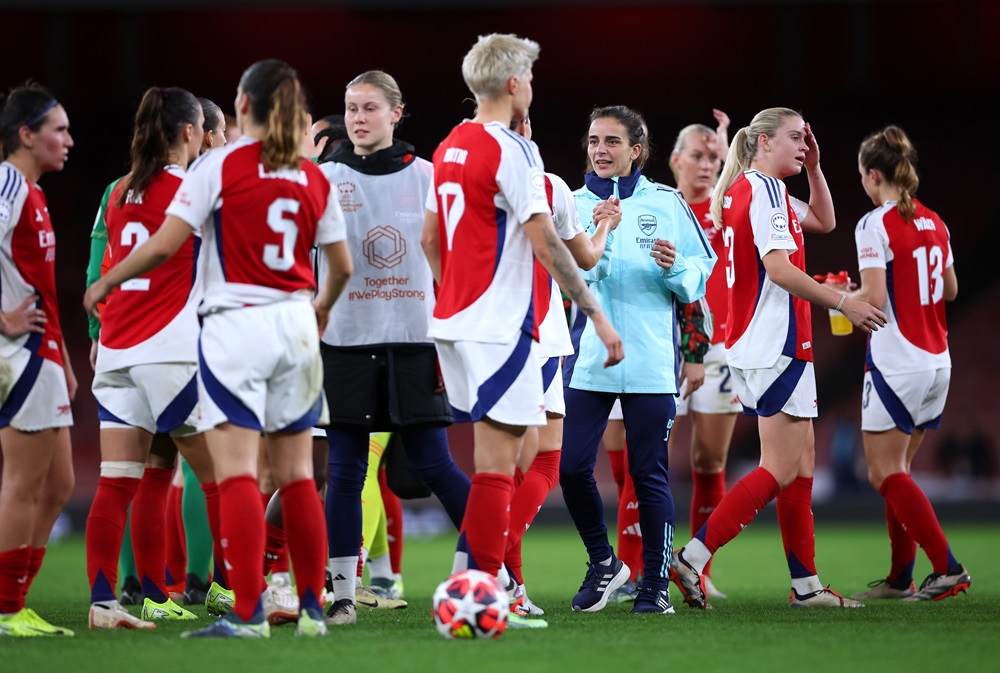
x=133, y=235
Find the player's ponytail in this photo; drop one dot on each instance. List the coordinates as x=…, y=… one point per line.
x=743, y=150
x=891, y=153
x=26, y=105
x=277, y=103
x=159, y=123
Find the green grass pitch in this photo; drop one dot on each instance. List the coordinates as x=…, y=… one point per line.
x=753, y=630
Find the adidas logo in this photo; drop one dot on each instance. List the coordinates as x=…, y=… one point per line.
x=339, y=578
x=633, y=530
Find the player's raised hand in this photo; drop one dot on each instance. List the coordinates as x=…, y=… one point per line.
x=812, y=156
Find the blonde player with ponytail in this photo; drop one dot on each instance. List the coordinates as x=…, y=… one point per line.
x=769, y=343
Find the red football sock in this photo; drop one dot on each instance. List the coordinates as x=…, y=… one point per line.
x=274, y=547
x=487, y=519
x=14, y=565
x=105, y=531
x=393, y=522
x=617, y=460
x=149, y=543
x=795, y=519
x=538, y=482
x=211, y=491
x=176, y=553
x=305, y=526
x=708, y=491
x=742, y=503
x=37, y=556
x=241, y=519
x=629, y=532
x=903, y=549
x=915, y=513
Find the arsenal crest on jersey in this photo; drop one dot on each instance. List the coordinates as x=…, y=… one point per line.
x=647, y=223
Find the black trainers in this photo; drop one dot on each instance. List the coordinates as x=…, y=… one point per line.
x=195, y=591
x=598, y=585
x=652, y=601
x=131, y=592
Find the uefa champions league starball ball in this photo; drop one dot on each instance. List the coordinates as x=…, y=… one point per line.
x=470, y=604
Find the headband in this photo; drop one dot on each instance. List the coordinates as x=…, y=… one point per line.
x=44, y=111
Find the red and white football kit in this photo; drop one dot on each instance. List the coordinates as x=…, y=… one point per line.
x=38, y=398
x=488, y=181
x=769, y=330
x=259, y=348
x=146, y=360
x=907, y=365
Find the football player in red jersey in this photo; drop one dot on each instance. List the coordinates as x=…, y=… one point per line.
x=769, y=342
x=488, y=217
x=907, y=268
x=146, y=363
x=260, y=207
x=36, y=378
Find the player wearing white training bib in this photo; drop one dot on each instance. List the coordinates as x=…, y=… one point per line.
x=380, y=366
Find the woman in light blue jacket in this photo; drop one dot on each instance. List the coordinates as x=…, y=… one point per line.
x=658, y=253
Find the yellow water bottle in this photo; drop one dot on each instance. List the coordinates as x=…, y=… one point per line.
x=839, y=324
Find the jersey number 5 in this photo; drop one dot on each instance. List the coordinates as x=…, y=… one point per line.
x=451, y=201
x=930, y=273
x=282, y=257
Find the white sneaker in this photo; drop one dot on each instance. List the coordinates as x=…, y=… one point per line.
x=281, y=606
x=365, y=597
x=342, y=612
x=113, y=616
x=523, y=605
x=710, y=590
x=881, y=589
x=824, y=598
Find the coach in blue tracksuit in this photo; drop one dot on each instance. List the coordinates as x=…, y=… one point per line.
x=657, y=253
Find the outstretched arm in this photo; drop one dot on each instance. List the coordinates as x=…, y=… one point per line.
x=159, y=248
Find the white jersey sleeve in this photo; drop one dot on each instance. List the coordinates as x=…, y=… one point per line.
x=800, y=207
x=768, y=215
x=331, y=227
x=522, y=179
x=872, y=241
x=564, y=212
x=431, y=202
x=198, y=195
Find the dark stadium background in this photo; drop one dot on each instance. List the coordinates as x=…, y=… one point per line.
x=850, y=67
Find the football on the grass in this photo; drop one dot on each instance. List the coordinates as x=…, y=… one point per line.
x=470, y=604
